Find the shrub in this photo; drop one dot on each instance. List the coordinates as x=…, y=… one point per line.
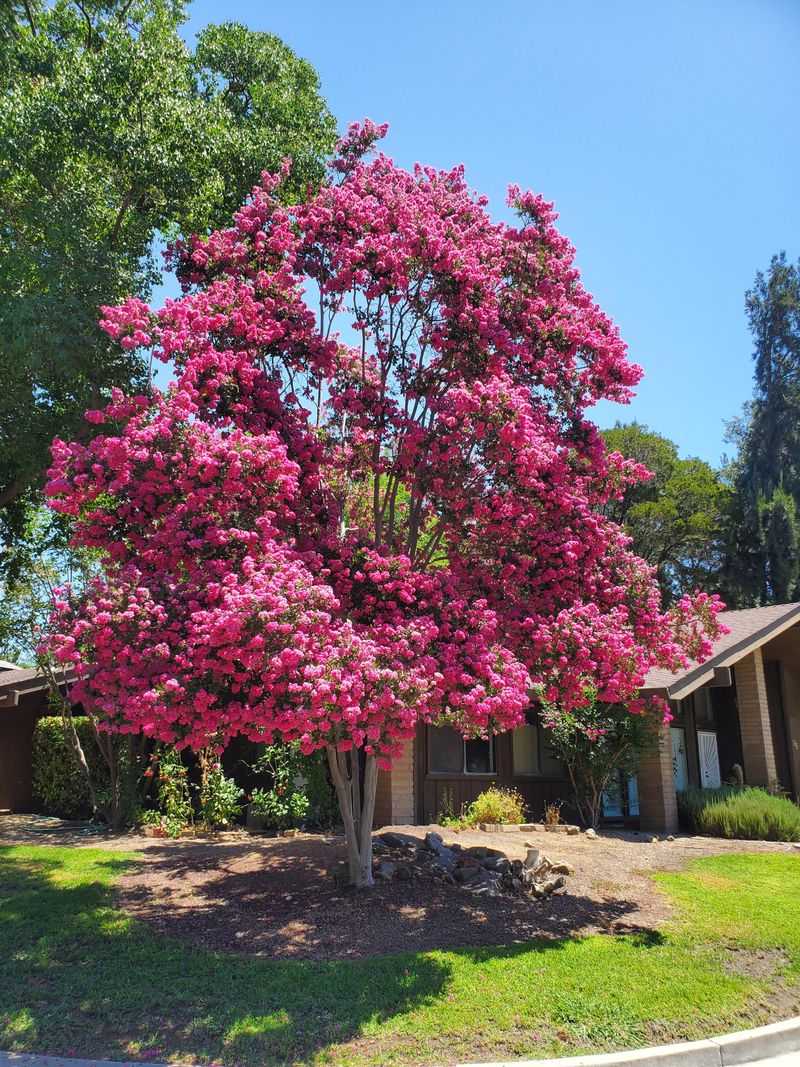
x=174, y=812
x=749, y=814
x=495, y=805
x=219, y=799
x=59, y=787
x=597, y=742
x=323, y=807
x=286, y=803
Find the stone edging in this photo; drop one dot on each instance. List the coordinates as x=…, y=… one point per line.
x=746, y=1046
x=731, y=1050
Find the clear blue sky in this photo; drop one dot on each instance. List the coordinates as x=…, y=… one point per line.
x=666, y=134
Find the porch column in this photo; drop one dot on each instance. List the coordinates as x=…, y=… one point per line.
x=658, y=806
x=394, y=802
x=751, y=695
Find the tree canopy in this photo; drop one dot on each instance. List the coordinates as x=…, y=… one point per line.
x=676, y=517
x=308, y=540
x=113, y=132
x=763, y=550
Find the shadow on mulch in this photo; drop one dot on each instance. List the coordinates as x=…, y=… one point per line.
x=284, y=902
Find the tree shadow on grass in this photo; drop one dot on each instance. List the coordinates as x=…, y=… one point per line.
x=79, y=977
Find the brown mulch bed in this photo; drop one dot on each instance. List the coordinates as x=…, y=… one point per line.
x=279, y=897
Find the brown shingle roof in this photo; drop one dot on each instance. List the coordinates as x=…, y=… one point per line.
x=748, y=628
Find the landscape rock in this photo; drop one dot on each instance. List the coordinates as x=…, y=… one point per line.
x=386, y=870
x=532, y=858
x=561, y=868
x=467, y=874
x=498, y=864
x=572, y=830
x=591, y=834
x=553, y=884
x=393, y=840
x=403, y=873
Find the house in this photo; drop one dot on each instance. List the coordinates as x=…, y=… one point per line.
x=738, y=713
x=23, y=700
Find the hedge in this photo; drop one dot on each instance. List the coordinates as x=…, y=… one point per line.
x=749, y=814
x=59, y=787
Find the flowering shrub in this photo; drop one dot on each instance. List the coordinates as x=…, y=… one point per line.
x=306, y=540
x=175, y=812
x=598, y=742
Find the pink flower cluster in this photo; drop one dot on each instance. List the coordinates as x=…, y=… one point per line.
x=310, y=539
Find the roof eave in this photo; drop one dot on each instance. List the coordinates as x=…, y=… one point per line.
x=699, y=675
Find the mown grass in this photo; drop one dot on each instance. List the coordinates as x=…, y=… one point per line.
x=77, y=977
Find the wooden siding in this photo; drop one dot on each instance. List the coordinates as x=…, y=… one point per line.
x=16, y=741
x=437, y=792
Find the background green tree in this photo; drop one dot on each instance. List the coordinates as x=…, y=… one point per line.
x=677, y=519
x=762, y=562
x=114, y=133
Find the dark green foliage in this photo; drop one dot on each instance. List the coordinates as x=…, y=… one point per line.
x=779, y=537
x=114, y=133
x=59, y=788
x=292, y=789
x=677, y=519
x=746, y=814
x=323, y=808
x=763, y=551
x=219, y=799
x=39, y=560
x=598, y=743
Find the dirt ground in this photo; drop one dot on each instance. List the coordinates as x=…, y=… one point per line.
x=279, y=897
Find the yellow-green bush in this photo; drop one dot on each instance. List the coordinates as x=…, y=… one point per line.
x=495, y=805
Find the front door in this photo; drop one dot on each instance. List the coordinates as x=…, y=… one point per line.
x=680, y=768
x=708, y=752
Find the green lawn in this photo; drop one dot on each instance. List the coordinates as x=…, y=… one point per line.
x=79, y=978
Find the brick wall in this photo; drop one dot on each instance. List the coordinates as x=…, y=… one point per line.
x=658, y=807
x=751, y=694
x=394, y=799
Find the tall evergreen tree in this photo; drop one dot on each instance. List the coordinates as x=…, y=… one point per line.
x=763, y=554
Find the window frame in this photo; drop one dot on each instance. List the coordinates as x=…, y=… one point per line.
x=533, y=722
x=463, y=773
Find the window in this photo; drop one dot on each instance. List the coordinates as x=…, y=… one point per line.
x=479, y=756
x=450, y=753
x=532, y=752
x=525, y=744
x=703, y=711
x=446, y=750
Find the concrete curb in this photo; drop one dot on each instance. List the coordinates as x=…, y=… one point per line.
x=730, y=1050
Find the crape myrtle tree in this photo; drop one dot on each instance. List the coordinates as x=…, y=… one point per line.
x=332, y=537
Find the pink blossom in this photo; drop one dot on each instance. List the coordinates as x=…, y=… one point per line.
x=311, y=541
